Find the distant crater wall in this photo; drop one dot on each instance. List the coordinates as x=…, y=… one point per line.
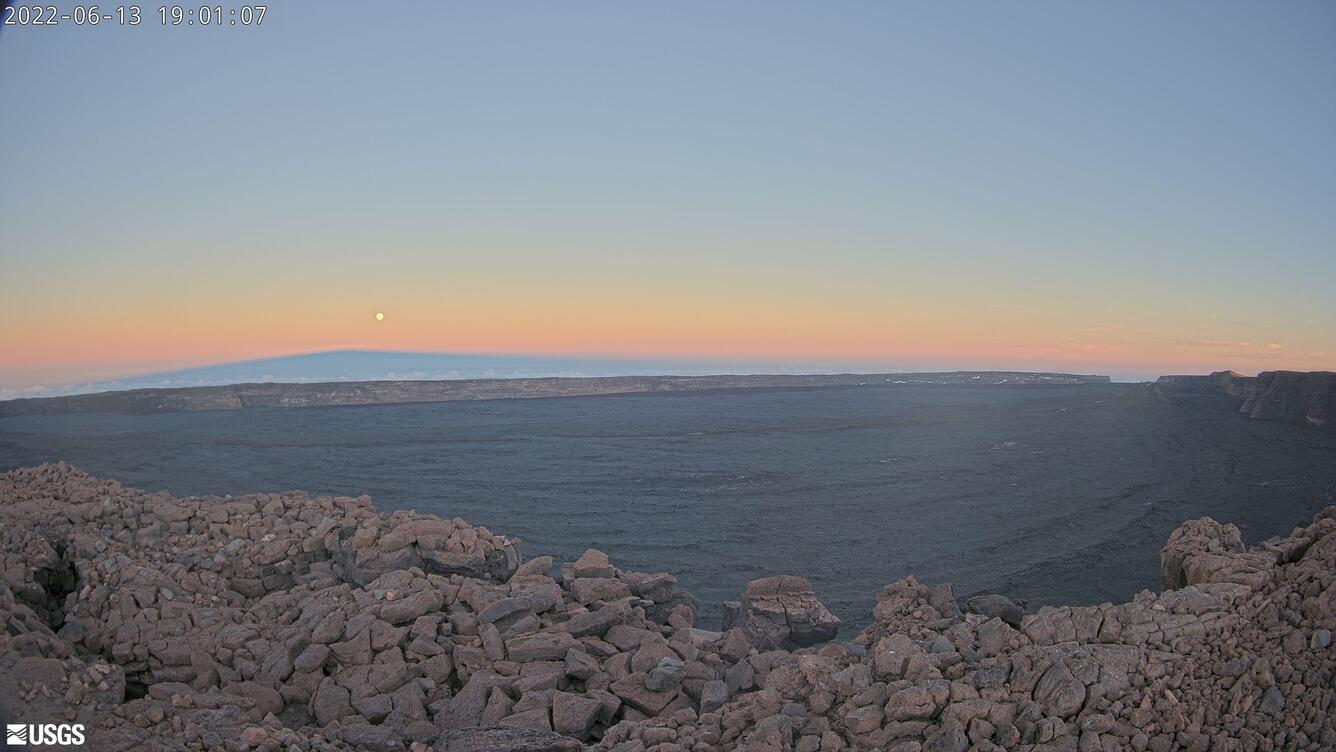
x=345, y=393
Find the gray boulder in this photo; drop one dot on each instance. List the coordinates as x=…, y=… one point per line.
x=996, y=606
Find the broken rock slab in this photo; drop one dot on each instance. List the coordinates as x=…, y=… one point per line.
x=783, y=613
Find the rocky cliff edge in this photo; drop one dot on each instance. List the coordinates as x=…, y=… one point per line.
x=284, y=622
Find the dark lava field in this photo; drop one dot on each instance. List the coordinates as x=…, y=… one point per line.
x=1054, y=494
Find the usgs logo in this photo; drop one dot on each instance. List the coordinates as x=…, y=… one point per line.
x=65, y=734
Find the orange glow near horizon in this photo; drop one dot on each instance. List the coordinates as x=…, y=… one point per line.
x=166, y=334
x=899, y=311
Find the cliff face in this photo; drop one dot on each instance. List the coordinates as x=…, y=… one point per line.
x=1297, y=396
x=1291, y=395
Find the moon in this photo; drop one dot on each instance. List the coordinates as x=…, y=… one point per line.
x=380, y=316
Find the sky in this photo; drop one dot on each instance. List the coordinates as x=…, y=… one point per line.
x=1129, y=188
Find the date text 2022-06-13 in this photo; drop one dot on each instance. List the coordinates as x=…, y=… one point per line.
x=203, y=16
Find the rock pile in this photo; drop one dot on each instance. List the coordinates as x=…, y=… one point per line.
x=287, y=622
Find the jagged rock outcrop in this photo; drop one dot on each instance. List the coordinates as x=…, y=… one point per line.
x=781, y=612
x=286, y=622
x=1204, y=551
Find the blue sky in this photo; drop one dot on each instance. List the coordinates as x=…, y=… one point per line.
x=1129, y=187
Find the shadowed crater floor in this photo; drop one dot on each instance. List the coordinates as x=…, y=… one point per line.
x=1054, y=494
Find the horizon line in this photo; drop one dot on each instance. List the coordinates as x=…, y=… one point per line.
x=557, y=365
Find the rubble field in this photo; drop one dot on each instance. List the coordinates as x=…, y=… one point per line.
x=285, y=622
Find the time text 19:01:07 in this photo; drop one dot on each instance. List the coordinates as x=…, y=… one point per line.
x=131, y=15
